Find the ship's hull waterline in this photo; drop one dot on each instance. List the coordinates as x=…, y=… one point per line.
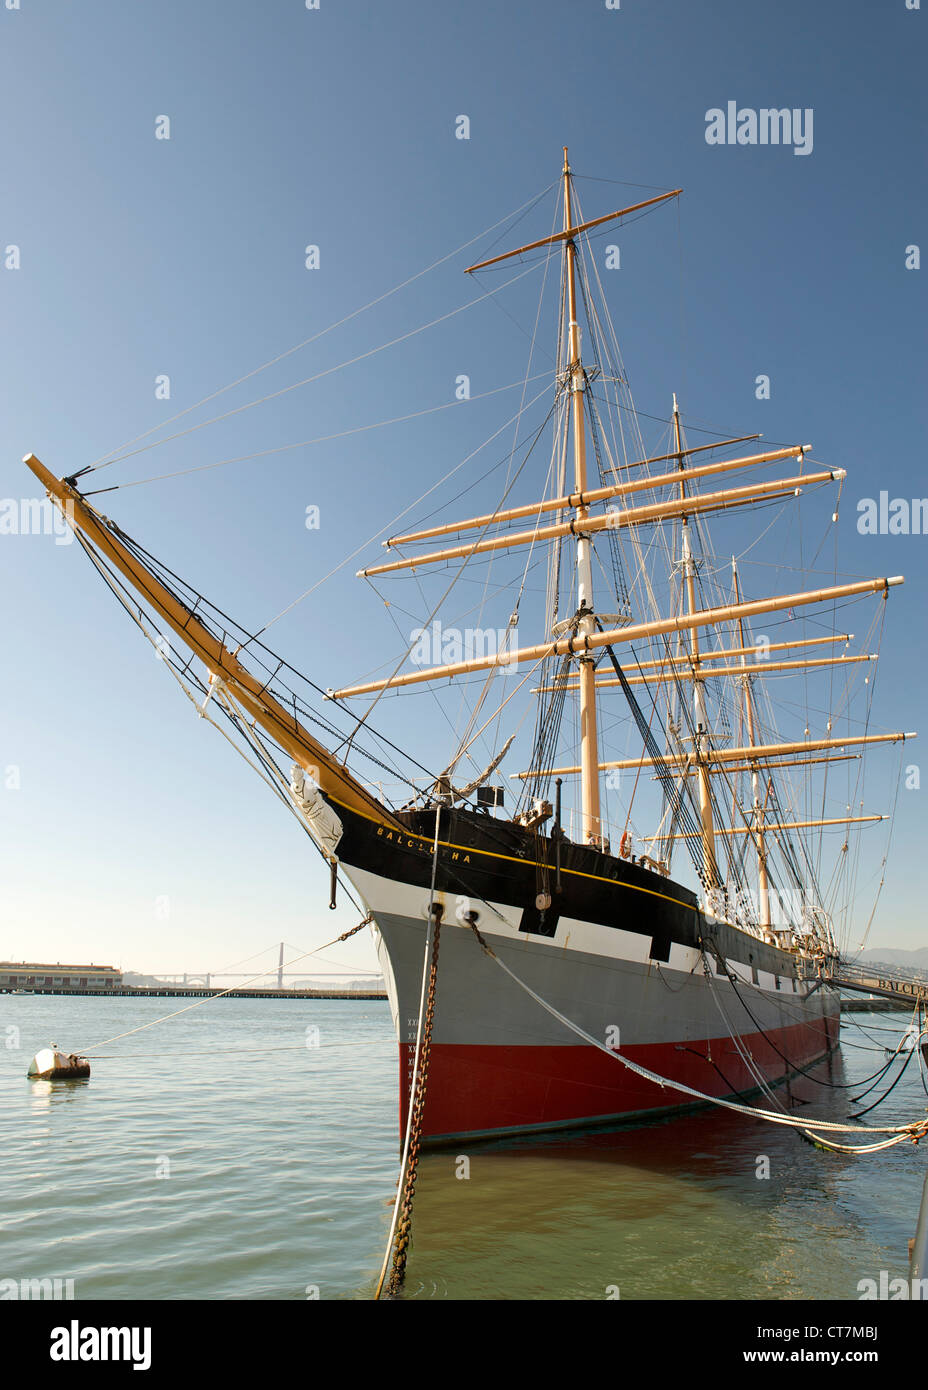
x=502, y=1064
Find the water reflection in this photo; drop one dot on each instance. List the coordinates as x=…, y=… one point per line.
x=44, y=1094
x=286, y=1180
x=709, y=1205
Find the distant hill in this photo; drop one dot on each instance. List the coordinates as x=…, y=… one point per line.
x=918, y=959
x=375, y=985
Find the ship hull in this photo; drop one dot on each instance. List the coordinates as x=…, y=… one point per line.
x=649, y=979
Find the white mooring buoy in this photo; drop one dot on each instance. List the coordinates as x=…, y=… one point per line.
x=50, y=1064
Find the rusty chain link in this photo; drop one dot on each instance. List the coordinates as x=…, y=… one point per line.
x=401, y=1244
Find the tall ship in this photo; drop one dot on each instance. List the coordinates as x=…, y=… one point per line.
x=612, y=898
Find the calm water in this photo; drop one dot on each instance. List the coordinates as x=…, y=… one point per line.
x=279, y=1170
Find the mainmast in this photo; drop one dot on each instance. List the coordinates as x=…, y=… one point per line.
x=585, y=617
x=589, y=755
x=710, y=867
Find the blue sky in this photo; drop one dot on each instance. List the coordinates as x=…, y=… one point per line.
x=335, y=127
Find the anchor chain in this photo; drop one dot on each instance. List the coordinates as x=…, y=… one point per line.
x=345, y=934
x=404, y=1226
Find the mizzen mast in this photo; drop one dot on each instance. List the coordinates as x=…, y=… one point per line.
x=584, y=623
x=701, y=721
x=586, y=618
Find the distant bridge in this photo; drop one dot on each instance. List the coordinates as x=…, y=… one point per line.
x=204, y=977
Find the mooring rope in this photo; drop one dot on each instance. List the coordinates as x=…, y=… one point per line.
x=754, y=1070
x=239, y=1051
x=914, y=1131
x=209, y=999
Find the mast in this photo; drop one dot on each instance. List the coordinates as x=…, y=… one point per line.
x=710, y=867
x=763, y=892
x=589, y=755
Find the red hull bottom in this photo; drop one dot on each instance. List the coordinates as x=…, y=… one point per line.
x=475, y=1090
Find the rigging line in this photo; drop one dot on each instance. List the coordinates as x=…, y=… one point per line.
x=325, y=724
x=890, y=1089
x=900, y=1048
x=394, y=607
x=871, y=1029
x=512, y=319
x=399, y=516
x=921, y=1071
x=267, y=762
x=499, y=711
x=726, y=436
x=795, y=1066
x=702, y=857
x=432, y=692
x=889, y=839
x=740, y=1047
x=233, y=719
x=362, y=719
x=513, y=620
x=758, y=1075
x=319, y=439
x=861, y=1047
x=317, y=376
x=801, y=1132
x=283, y=792
x=240, y=1051
x=620, y=183
x=858, y=785
x=442, y=509
x=704, y=1057
x=463, y=708
x=137, y=616
x=828, y=525
x=519, y=216
x=900, y=1132
x=526, y=207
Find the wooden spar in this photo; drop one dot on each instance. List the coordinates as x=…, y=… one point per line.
x=680, y=663
x=756, y=668
x=615, y=520
x=776, y=825
x=589, y=743
x=728, y=769
x=598, y=494
x=732, y=755
x=250, y=692
x=569, y=232
x=707, y=831
x=564, y=646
